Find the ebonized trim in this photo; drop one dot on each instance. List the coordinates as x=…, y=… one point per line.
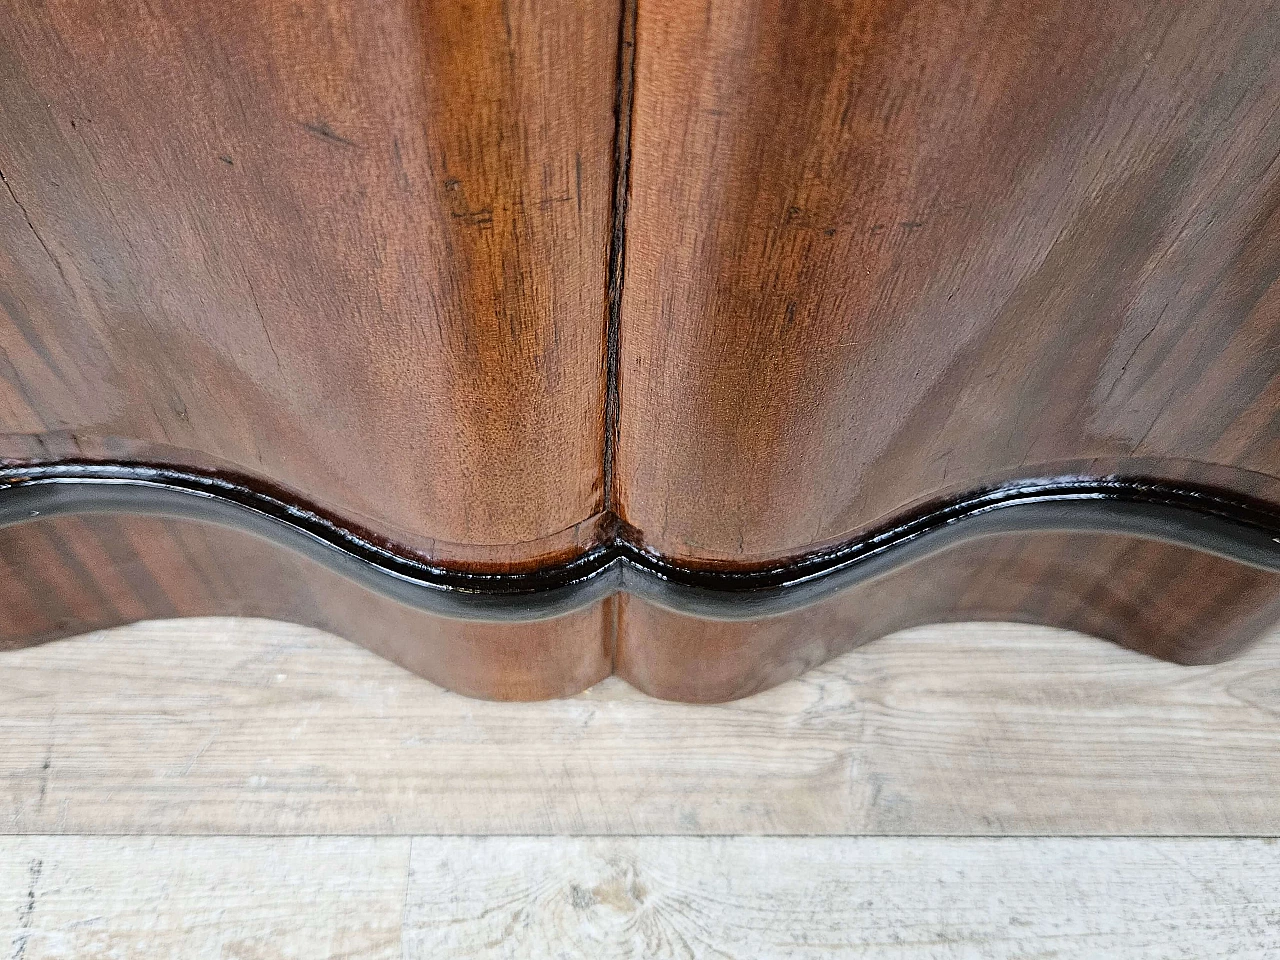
x=1197, y=518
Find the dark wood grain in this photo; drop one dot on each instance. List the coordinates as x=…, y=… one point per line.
x=64, y=576
x=500, y=288
x=1169, y=602
x=356, y=249
x=68, y=575
x=882, y=252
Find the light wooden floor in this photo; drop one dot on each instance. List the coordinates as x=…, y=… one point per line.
x=241, y=789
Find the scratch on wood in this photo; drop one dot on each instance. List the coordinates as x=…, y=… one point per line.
x=27, y=910
x=325, y=132
x=57, y=264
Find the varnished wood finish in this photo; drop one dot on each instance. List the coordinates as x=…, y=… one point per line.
x=356, y=249
x=881, y=252
x=1169, y=602
x=511, y=287
x=64, y=576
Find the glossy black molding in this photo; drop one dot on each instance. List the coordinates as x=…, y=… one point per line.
x=1198, y=518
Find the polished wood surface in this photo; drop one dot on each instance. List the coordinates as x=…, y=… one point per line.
x=64, y=576
x=355, y=249
x=885, y=252
x=509, y=287
x=1168, y=602
x=60, y=577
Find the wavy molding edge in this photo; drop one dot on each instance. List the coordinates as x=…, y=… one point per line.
x=1199, y=518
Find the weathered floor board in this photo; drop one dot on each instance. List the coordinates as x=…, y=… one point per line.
x=249, y=727
x=203, y=898
x=757, y=898
x=730, y=898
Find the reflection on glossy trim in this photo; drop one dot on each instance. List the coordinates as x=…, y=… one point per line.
x=1199, y=518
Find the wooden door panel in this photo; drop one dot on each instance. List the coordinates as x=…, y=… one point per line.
x=354, y=250
x=1171, y=602
x=696, y=341
x=879, y=254
x=67, y=575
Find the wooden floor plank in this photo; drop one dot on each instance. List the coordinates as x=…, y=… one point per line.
x=652, y=898
x=889, y=898
x=250, y=727
x=103, y=898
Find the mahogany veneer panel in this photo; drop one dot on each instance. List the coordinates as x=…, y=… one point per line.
x=357, y=249
x=72, y=574
x=1170, y=602
x=881, y=252
x=526, y=342
x=66, y=575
